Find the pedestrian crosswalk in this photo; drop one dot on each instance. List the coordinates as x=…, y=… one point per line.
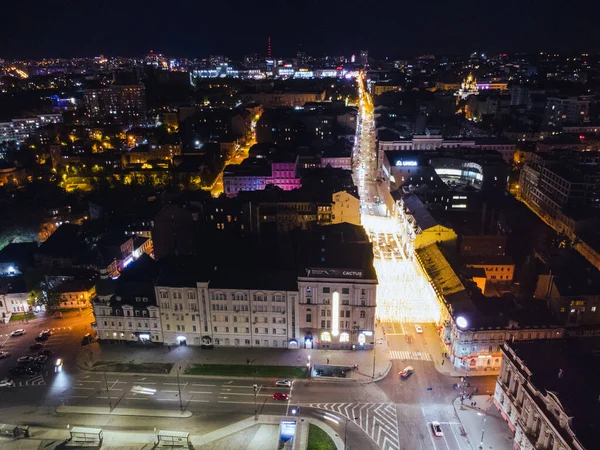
x=35, y=381
x=378, y=420
x=402, y=354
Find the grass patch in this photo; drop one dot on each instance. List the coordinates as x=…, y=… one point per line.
x=246, y=370
x=109, y=366
x=22, y=316
x=319, y=439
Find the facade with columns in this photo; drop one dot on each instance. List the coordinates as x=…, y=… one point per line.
x=536, y=396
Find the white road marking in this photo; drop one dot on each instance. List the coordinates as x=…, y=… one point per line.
x=200, y=392
x=204, y=385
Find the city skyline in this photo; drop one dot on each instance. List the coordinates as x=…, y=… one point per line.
x=387, y=30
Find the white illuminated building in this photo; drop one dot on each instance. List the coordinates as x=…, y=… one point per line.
x=337, y=309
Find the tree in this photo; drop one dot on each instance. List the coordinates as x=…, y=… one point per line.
x=50, y=300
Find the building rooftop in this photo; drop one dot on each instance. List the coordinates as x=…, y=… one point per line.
x=74, y=286
x=420, y=212
x=572, y=273
x=494, y=260
x=578, y=363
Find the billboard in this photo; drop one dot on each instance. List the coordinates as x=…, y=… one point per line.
x=287, y=430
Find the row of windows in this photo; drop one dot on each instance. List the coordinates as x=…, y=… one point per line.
x=191, y=295
x=244, y=297
x=247, y=330
x=118, y=312
x=130, y=324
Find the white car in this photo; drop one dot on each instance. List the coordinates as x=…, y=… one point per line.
x=286, y=383
x=19, y=332
x=7, y=382
x=437, y=429
x=4, y=355
x=418, y=328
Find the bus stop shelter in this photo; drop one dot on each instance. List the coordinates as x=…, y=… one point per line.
x=173, y=438
x=85, y=436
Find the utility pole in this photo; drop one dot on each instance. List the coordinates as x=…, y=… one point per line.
x=107, y=391
x=483, y=429
x=374, y=362
x=255, y=387
x=179, y=389
x=346, y=431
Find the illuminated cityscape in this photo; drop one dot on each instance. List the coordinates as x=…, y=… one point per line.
x=250, y=226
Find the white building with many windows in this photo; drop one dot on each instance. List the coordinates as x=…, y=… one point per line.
x=548, y=393
x=234, y=309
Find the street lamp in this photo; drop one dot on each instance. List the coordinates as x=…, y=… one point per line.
x=179, y=389
x=483, y=429
x=374, y=348
x=106, y=386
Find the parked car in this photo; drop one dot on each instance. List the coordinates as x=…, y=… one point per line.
x=7, y=382
x=407, y=372
x=19, y=332
x=46, y=333
x=35, y=346
x=25, y=360
x=33, y=369
x=87, y=339
x=45, y=352
x=418, y=328
x=280, y=396
x=40, y=359
x=4, y=355
x=437, y=429
x=286, y=383
x=41, y=338
x=17, y=370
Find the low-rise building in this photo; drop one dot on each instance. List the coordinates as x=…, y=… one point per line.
x=498, y=269
x=547, y=392
x=14, y=297
x=75, y=294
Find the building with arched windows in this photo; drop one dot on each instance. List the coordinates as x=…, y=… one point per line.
x=548, y=393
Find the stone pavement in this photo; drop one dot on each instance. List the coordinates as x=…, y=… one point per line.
x=183, y=356
x=484, y=419
x=266, y=430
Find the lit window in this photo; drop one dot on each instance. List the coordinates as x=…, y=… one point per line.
x=344, y=337
x=325, y=337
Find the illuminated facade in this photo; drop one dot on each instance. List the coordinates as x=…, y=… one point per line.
x=336, y=309
x=467, y=88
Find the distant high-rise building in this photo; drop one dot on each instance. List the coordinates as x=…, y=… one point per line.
x=364, y=57
x=116, y=104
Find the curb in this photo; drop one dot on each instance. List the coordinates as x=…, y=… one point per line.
x=123, y=412
x=460, y=421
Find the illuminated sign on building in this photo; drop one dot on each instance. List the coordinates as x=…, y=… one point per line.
x=335, y=273
x=406, y=163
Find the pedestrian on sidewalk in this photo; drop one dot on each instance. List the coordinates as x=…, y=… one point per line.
x=443, y=361
x=327, y=360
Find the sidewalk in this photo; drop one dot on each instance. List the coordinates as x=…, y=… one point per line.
x=475, y=421
x=184, y=356
x=266, y=430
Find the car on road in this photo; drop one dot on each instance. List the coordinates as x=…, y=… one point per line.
x=58, y=365
x=437, y=429
x=7, y=382
x=280, y=396
x=45, y=352
x=418, y=328
x=35, y=346
x=18, y=370
x=286, y=383
x=41, y=360
x=87, y=339
x=25, y=360
x=34, y=369
x=4, y=355
x=407, y=372
x=19, y=332
x=41, y=338
x=46, y=332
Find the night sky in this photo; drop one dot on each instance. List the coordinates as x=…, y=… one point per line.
x=392, y=28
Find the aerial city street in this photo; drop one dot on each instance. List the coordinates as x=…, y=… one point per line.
x=333, y=240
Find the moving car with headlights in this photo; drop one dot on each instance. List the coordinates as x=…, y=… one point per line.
x=19, y=332
x=437, y=429
x=407, y=372
x=286, y=383
x=58, y=365
x=280, y=396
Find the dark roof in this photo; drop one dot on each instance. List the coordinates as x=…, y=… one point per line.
x=497, y=260
x=183, y=271
x=420, y=212
x=17, y=252
x=572, y=273
x=577, y=388
x=268, y=279
x=64, y=242
x=74, y=286
x=12, y=285
x=105, y=287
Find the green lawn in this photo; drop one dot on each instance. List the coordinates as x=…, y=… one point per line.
x=318, y=439
x=247, y=370
x=109, y=366
x=21, y=316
